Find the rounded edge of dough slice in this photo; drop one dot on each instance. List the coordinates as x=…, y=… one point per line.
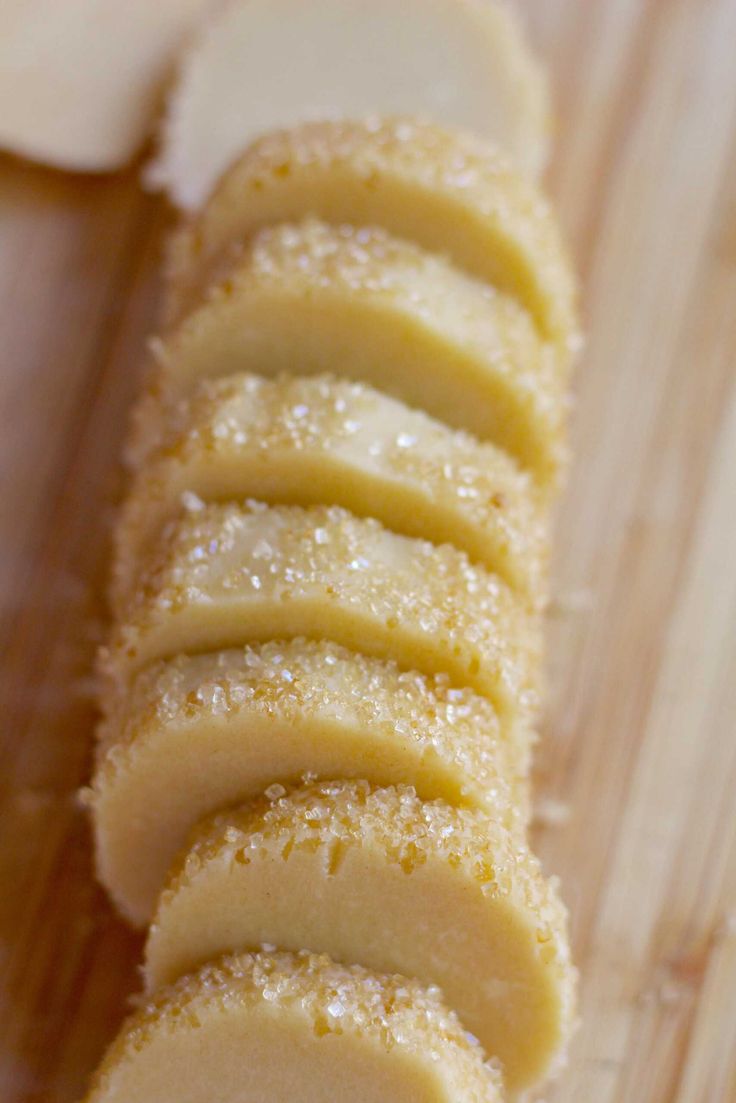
x=297, y=441
x=381, y=878
x=204, y=732
x=463, y=63
x=294, y=1026
x=228, y=575
x=447, y=191
x=311, y=298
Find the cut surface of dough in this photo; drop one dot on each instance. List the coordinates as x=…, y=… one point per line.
x=322, y=440
x=200, y=733
x=266, y=64
x=312, y=298
x=80, y=80
x=279, y=1027
x=446, y=191
x=225, y=576
x=381, y=878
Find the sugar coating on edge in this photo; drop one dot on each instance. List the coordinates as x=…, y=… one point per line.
x=299, y=679
x=250, y=415
x=354, y=564
x=451, y=164
x=388, y=1011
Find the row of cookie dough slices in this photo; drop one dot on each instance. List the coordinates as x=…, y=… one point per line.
x=384, y=517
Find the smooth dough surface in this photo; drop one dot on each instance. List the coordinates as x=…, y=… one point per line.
x=80, y=80
x=200, y=733
x=311, y=298
x=302, y=441
x=277, y=1027
x=447, y=191
x=225, y=576
x=379, y=877
x=265, y=64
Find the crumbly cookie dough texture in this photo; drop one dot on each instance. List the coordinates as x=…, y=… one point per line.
x=322, y=681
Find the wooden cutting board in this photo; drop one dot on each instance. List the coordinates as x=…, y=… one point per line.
x=637, y=765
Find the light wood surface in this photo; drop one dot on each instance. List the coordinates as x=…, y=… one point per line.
x=637, y=768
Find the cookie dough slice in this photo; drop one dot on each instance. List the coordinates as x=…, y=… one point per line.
x=204, y=732
x=225, y=576
x=265, y=64
x=304, y=441
x=279, y=1027
x=311, y=298
x=381, y=878
x=447, y=191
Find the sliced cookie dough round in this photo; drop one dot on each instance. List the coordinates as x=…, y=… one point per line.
x=229, y=575
x=310, y=298
x=322, y=440
x=446, y=190
x=280, y=1027
x=264, y=64
x=200, y=733
x=381, y=878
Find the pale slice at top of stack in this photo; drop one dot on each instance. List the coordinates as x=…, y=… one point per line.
x=265, y=64
x=199, y=733
x=379, y=877
x=285, y=1027
x=225, y=576
x=302, y=441
x=313, y=298
x=448, y=192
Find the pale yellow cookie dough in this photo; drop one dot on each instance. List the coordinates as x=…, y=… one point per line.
x=323, y=440
x=224, y=576
x=447, y=191
x=311, y=298
x=199, y=733
x=400, y=885
x=264, y=64
x=277, y=1028
x=81, y=80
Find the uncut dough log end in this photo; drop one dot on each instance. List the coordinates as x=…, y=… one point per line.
x=80, y=80
x=293, y=1026
x=276, y=713
x=265, y=64
x=379, y=877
